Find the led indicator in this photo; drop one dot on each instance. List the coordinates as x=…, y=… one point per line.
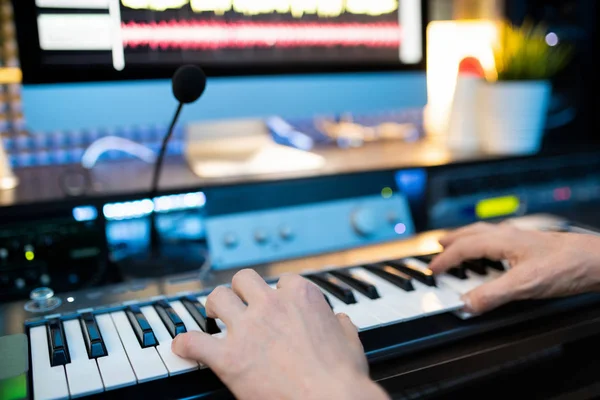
x=497, y=207
x=562, y=194
x=387, y=192
x=29, y=255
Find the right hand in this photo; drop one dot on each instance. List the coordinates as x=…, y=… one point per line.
x=543, y=264
x=281, y=344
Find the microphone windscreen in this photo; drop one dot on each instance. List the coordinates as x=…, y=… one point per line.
x=189, y=83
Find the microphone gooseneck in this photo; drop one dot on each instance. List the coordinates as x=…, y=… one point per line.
x=188, y=84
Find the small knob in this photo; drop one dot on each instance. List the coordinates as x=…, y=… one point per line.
x=42, y=300
x=230, y=240
x=261, y=236
x=364, y=221
x=286, y=232
x=42, y=294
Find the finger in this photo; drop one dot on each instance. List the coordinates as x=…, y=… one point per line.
x=249, y=286
x=291, y=281
x=304, y=291
x=493, y=294
x=198, y=346
x=349, y=328
x=224, y=304
x=473, y=229
x=492, y=246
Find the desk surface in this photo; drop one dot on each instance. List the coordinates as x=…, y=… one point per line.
x=130, y=178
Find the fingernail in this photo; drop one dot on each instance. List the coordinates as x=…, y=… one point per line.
x=468, y=307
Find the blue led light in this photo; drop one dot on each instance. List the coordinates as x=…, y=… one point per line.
x=85, y=213
x=145, y=207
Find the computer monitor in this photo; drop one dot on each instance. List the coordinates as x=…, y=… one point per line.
x=93, y=40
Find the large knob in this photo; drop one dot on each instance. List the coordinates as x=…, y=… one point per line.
x=365, y=222
x=42, y=300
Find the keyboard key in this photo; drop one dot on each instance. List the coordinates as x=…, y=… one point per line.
x=458, y=272
x=359, y=317
x=334, y=286
x=392, y=275
x=141, y=327
x=59, y=351
x=476, y=266
x=363, y=287
x=198, y=313
x=416, y=269
x=83, y=375
x=115, y=368
x=497, y=265
x=170, y=318
x=91, y=334
x=175, y=364
x=220, y=324
x=48, y=382
x=147, y=364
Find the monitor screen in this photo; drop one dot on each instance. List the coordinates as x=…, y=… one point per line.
x=65, y=40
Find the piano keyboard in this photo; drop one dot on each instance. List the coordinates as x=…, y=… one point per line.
x=96, y=351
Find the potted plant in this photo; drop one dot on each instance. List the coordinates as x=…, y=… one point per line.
x=513, y=104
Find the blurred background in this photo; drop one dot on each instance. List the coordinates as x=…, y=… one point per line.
x=462, y=110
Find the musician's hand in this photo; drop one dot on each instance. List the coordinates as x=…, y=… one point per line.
x=284, y=344
x=543, y=264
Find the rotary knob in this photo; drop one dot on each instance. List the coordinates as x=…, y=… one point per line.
x=42, y=300
x=365, y=222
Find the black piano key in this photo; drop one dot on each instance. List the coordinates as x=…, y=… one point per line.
x=198, y=312
x=328, y=301
x=426, y=258
x=476, y=266
x=334, y=286
x=92, y=337
x=141, y=327
x=170, y=318
x=497, y=265
x=423, y=275
x=391, y=275
x=59, y=351
x=458, y=272
x=357, y=283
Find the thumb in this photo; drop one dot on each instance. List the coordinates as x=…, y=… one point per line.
x=349, y=328
x=198, y=346
x=491, y=295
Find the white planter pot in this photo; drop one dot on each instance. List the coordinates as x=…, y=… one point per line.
x=512, y=116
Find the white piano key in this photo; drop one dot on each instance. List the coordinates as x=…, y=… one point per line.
x=462, y=286
x=49, y=383
x=433, y=300
x=378, y=308
x=114, y=368
x=358, y=315
x=147, y=364
x=186, y=317
x=83, y=375
x=174, y=363
x=394, y=297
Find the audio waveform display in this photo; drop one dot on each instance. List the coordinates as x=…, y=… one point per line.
x=297, y=8
x=194, y=35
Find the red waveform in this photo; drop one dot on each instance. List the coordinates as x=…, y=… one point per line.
x=221, y=35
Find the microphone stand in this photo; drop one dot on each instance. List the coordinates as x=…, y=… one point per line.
x=155, y=245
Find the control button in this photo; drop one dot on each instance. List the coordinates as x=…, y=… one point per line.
x=286, y=233
x=364, y=221
x=20, y=283
x=261, y=236
x=230, y=240
x=42, y=300
x=3, y=254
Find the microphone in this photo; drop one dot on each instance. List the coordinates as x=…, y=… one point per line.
x=188, y=84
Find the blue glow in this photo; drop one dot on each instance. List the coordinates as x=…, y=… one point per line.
x=145, y=207
x=85, y=213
